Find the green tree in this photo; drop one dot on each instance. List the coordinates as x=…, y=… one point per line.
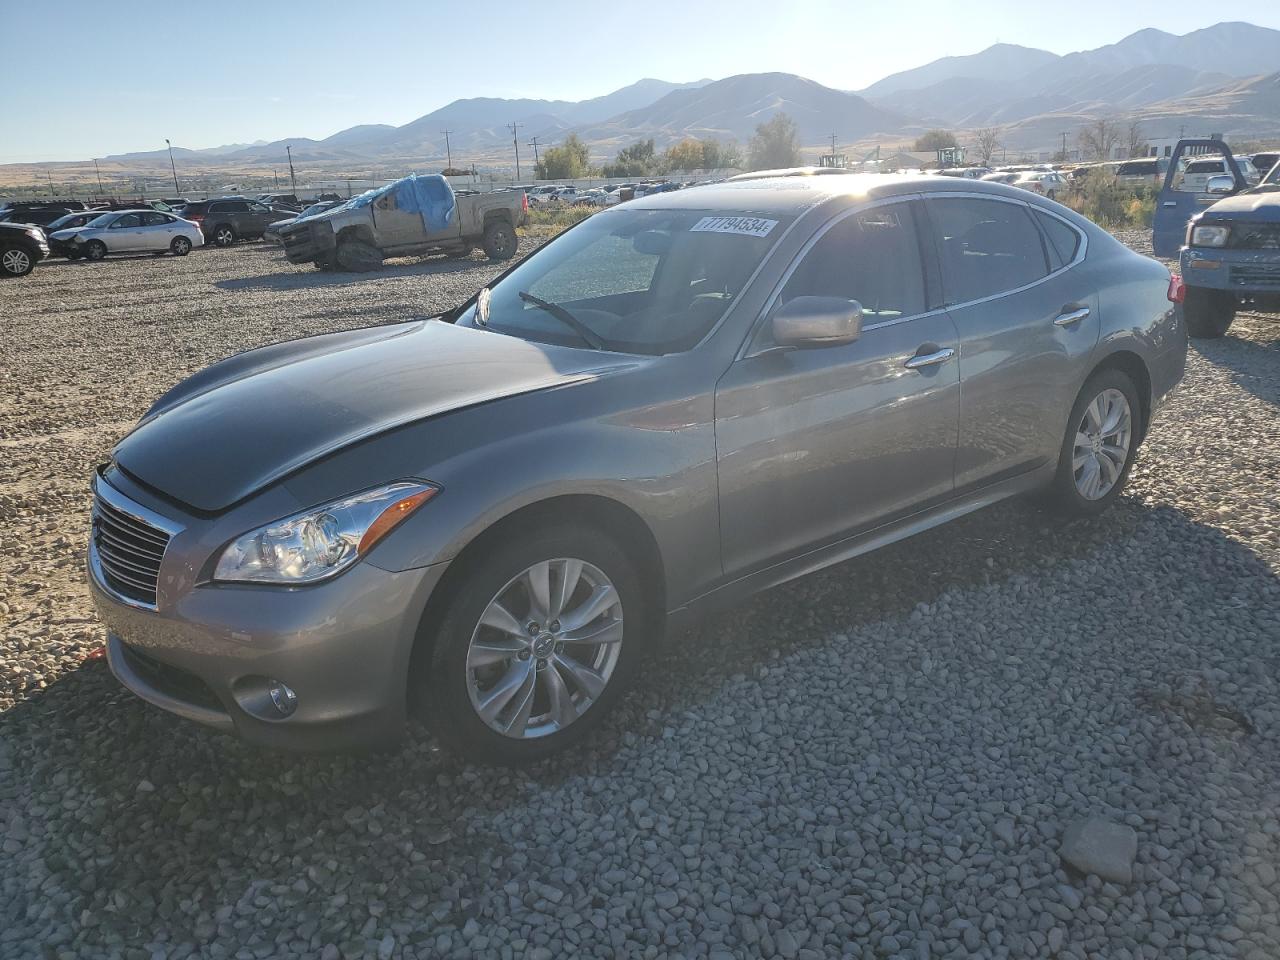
x=775, y=144
x=717, y=155
x=638, y=160
x=569, y=161
x=936, y=140
x=688, y=154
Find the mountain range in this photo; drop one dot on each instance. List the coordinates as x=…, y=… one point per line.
x=1222, y=78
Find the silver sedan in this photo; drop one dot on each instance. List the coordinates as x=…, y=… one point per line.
x=130, y=231
x=487, y=518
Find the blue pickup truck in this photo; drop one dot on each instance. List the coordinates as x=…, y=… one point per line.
x=1225, y=234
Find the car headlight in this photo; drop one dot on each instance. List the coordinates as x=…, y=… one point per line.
x=1209, y=236
x=323, y=541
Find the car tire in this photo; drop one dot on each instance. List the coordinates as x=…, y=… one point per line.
x=1208, y=313
x=224, y=235
x=16, y=261
x=1052, y=195
x=1095, y=447
x=73, y=255
x=324, y=264
x=95, y=250
x=358, y=256
x=180, y=246
x=470, y=661
x=500, y=241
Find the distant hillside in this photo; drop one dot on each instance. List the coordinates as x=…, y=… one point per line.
x=998, y=63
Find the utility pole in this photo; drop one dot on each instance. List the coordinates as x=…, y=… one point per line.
x=292, y=179
x=515, y=140
x=448, y=150
x=50, y=176
x=99, y=173
x=534, y=143
x=1064, y=144
x=833, y=143
x=172, y=166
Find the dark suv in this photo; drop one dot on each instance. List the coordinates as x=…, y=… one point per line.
x=39, y=212
x=22, y=246
x=228, y=220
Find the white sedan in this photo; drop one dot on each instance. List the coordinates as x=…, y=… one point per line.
x=130, y=231
x=1051, y=185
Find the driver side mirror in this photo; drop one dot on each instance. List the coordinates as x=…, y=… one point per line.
x=1220, y=186
x=807, y=322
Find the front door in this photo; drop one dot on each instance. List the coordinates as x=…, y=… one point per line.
x=125, y=233
x=1027, y=327
x=400, y=220
x=1184, y=195
x=816, y=444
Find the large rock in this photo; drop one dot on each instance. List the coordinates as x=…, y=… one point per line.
x=1101, y=847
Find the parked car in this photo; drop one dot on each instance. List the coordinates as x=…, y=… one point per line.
x=1197, y=170
x=37, y=212
x=1146, y=170
x=492, y=515
x=1006, y=176
x=22, y=246
x=70, y=221
x=230, y=219
x=1264, y=162
x=272, y=233
x=288, y=199
x=1228, y=251
x=1051, y=185
x=390, y=221
x=130, y=231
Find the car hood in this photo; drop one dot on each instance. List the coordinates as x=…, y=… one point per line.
x=1261, y=206
x=69, y=232
x=250, y=421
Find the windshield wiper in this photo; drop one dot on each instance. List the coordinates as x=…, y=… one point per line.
x=589, y=336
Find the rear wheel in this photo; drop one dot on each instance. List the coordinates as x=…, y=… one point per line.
x=16, y=261
x=95, y=250
x=1098, y=450
x=533, y=649
x=180, y=246
x=1208, y=313
x=500, y=240
x=224, y=235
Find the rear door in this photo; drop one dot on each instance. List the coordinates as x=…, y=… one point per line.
x=1027, y=327
x=157, y=231
x=1183, y=196
x=816, y=444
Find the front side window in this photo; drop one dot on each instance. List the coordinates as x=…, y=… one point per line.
x=872, y=257
x=986, y=247
x=639, y=281
x=127, y=220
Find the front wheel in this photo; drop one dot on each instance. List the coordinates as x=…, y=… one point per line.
x=499, y=240
x=95, y=250
x=1098, y=450
x=1208, y=313
x=180, y=246
x=358, y=256
x=16, y=262
x=535, y=646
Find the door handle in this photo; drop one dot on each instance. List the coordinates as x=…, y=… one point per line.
x=1169, y=203
x=1068, y=317
x=929, y=359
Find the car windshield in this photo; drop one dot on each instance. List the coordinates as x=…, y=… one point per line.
x=101, y=221
x=639, y=281
x=312, y=210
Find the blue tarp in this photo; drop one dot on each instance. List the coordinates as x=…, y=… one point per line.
x=428, y=195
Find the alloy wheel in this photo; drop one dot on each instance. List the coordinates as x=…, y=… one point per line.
x=224, y=237
x=17, y=262
x=1103, y=439
x=545, y=648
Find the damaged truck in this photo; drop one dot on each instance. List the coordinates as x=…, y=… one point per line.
x=413, y=216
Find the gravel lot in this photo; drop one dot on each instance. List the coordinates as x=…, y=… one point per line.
x=876, y=761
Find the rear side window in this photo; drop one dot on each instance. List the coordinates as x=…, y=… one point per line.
x=872, y=257
x=1063, y=240
x=986, y=247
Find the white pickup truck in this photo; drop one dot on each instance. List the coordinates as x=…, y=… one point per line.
x=410, y=217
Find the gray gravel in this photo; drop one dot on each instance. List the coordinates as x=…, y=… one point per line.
x=877, y=761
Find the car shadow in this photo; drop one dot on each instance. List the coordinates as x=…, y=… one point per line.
x=150, y=782
x=292, y=277
x=1251, y=351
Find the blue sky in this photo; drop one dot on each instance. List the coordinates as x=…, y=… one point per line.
x=131, y=73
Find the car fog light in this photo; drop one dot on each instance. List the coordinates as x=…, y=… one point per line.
x=283, y=698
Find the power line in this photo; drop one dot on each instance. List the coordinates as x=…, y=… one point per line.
x=515, y=140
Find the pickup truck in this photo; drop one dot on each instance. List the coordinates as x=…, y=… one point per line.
x=1226, y=236
x=410, y=217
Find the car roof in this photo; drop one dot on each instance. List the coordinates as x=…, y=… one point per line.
x=797, y=194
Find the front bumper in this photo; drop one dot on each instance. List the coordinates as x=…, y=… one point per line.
x=307, y=242
x=208, y=655
x=1246, y=273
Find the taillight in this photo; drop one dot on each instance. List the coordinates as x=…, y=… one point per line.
x=524, y=197
x=1177, y=288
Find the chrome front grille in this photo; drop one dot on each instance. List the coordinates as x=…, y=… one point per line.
x=127, y=547
x=1255, y=274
